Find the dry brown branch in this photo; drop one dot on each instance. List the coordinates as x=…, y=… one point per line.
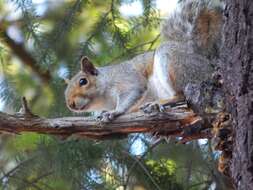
x=177, y=121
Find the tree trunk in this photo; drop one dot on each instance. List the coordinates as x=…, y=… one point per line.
x=236, y=67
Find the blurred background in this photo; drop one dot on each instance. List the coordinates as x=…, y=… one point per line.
x=41, y=42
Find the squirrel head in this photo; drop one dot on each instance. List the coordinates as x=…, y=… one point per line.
x=82, y=87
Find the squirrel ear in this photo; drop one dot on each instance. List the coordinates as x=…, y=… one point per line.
x=87, y=66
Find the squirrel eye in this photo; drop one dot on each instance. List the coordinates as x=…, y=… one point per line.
x=83, y=81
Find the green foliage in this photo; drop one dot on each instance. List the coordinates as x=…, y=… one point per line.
x=163, y=172
x=24, y=143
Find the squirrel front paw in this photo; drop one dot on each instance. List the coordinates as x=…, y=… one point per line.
x=152, y=107
x=108, y=116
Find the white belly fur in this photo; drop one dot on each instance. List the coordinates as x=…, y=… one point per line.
x=160, y=83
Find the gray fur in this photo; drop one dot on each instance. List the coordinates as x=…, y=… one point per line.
x=118, y=88
x=181, y=25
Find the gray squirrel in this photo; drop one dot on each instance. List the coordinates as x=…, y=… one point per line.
x=192, y=37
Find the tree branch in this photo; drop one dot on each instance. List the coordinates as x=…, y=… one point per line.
x=176, y=121
x=24, y=56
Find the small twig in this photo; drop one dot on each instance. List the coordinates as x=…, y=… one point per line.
x=13, y=170
x=153, y=41
x=25, y=110
x=127, y=51
x=24, y=181
x=25, y=106
x=200, y=183
x=139, y=159
x=34, y=181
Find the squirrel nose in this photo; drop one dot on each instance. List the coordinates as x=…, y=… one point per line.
x=72, y=105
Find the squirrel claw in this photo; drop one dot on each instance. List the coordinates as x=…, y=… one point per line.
x=107, y=116
x=152, y=107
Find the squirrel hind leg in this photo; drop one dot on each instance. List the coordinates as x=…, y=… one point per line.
x=152, y=107
x=173, y=101
x=162, y=104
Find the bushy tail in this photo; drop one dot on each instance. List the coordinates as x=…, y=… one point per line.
x=197, y=22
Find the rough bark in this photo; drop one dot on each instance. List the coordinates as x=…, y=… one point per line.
x=236, y=67
x=180, y=122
